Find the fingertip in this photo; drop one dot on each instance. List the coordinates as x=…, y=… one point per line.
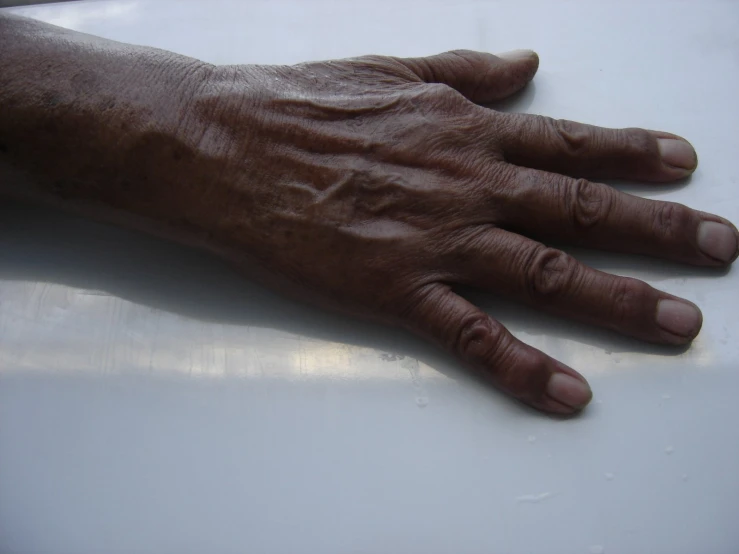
x=680, y=318
x=569, y=388
x=551, y=386
x=678, y=153
x=718, y=241
x=487, y=347
x=528, y=59
x=535, y=61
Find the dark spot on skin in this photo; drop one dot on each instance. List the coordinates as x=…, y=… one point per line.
x=3, y=147
x=84, y=82
x=177, y=155
x=51, y=100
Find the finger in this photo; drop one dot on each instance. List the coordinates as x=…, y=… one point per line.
x=479, y=76
x=486, y=346
x=583, y=150
x=549, y=206
x=549, y=279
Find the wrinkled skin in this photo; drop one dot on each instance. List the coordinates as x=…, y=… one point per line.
x=376, y=185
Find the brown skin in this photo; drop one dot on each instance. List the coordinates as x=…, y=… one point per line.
x=372, y=185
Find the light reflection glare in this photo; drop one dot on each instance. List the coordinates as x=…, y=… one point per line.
x=52, y=327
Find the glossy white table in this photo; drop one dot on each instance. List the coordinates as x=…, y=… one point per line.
x=153, y=402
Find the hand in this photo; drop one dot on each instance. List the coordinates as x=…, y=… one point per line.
x=376, y=185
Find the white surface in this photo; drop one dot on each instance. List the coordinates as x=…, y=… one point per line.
x=152, y=402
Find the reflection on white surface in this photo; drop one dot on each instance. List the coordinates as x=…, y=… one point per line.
x=151, y=401
x=91, y=331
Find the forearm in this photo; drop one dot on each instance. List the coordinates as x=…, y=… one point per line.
x=85, y=120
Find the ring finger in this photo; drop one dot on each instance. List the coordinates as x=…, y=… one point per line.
x=512, y=265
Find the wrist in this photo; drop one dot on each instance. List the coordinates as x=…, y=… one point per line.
x=85, y=120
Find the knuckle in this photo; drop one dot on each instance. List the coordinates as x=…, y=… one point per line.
x=480, y=339
x=572, y=137
x=588, y=203
x=669, y=218
x=484, y=343
x=550, y=273
x=628, y=298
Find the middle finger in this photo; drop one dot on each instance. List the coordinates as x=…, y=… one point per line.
x=549, y=206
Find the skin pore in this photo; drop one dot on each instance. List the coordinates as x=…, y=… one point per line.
x=374, y=186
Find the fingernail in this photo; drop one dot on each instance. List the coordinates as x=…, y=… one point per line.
x=717, y=240
x=569, y=390
x=677, y=153
x=679, y=318
x=515, y=55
